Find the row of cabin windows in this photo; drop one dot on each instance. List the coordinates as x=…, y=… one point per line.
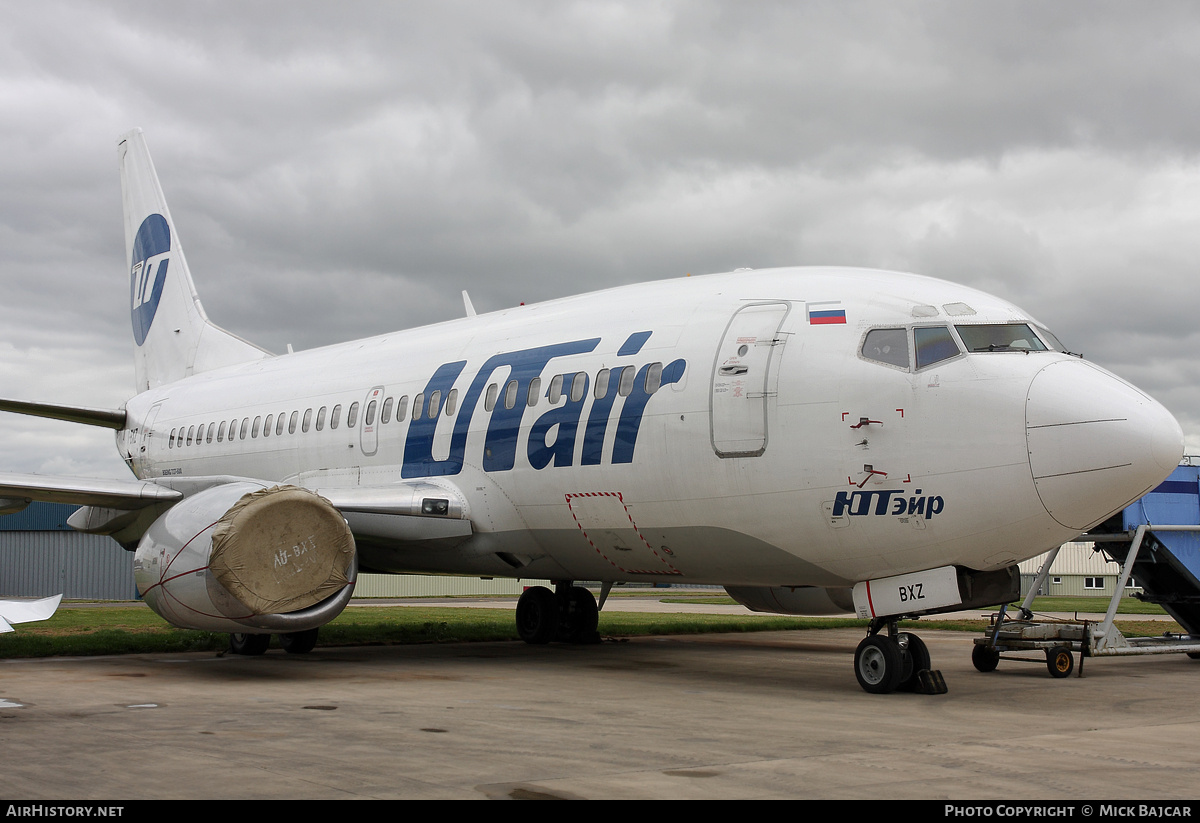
x=232, y=430
x=575, y=386
x=570, y=385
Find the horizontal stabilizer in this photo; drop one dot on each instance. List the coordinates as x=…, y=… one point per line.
x=27, y=611
x=108, y=418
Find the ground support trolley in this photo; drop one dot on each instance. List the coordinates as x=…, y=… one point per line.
x=1061, y=640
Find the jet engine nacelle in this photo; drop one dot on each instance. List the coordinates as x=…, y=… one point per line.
x=243, y=558
x=811, y=600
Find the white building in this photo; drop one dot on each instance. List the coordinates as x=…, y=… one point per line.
x=1078, y=570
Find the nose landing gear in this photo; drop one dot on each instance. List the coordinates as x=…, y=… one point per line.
x=895, y=661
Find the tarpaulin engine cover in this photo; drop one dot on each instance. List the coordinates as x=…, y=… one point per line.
x=281, y=549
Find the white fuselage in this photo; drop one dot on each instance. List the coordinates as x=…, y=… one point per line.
x=745, y=460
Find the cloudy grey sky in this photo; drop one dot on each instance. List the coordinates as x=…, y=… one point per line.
x=337, y=170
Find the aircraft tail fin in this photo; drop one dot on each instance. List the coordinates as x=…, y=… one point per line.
x=172, y=336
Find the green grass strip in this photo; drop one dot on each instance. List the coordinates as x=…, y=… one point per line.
x=134, y=629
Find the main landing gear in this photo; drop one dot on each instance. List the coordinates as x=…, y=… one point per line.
x=292, y=643
x=895, y=661
x=568, y=614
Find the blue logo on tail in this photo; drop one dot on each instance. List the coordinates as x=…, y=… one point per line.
x=148, y=272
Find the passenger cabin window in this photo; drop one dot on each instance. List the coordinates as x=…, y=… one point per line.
x=279, y=421
x=535, y=390
x=934, y=345
x=267, y=425
x=555, y=392
x=254, y=428
x=352, y=415
x=654, y=378
x=510, y=394
x=369, y=416
x=307, y=423
x=221, y=433
x=401, y=408
x=245, y=428
x=452, y=401
x=578, y=387
x=385, y=414
x=335, y=416
x=435, y=403
x=418, y=406
x=601, y=390
x=321, y=418
x=887, y=346
x=1000, y=337
x=292, y=422
x=626, y=385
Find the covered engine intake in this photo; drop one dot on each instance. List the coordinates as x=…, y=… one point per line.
x=240, y=557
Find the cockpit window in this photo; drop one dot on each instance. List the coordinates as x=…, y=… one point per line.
x=1005, y=337
x=934, y=344
x=1050, y=339
x=887, y=346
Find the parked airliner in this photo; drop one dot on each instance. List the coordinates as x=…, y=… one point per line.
x=817, y=440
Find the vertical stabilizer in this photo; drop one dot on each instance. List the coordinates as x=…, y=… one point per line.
x=172, y=336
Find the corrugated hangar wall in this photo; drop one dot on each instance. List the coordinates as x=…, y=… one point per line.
x=40, y=556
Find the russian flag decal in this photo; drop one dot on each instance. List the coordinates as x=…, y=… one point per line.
x=826, y=314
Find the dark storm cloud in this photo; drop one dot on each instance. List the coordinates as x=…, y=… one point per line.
x=338, y=170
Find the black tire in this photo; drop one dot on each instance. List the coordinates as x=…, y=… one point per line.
x=537, y=615
x=916, y=655
x=583, y=617
x=299, y=642
x=985, y=659
x=1059, y=661
x=878, y=664
x=249, y=644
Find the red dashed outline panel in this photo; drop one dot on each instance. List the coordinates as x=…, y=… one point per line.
x=632, y=525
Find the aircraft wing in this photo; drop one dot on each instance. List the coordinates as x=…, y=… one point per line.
x=26, y=611
x=409, y=512
x=18, y=490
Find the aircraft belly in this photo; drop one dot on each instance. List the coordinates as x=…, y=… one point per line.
x=698, y=554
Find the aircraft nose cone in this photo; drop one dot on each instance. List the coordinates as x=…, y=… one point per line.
x=1095, y=442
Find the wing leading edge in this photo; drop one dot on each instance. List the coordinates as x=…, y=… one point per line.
x=19, y=490
x=412, y=512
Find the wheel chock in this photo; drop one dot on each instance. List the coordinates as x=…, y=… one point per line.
x=930, y=681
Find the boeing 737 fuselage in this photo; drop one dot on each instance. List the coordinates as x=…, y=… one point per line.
x=815, y=439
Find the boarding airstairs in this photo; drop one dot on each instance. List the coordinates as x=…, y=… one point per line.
x=1157, y=542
